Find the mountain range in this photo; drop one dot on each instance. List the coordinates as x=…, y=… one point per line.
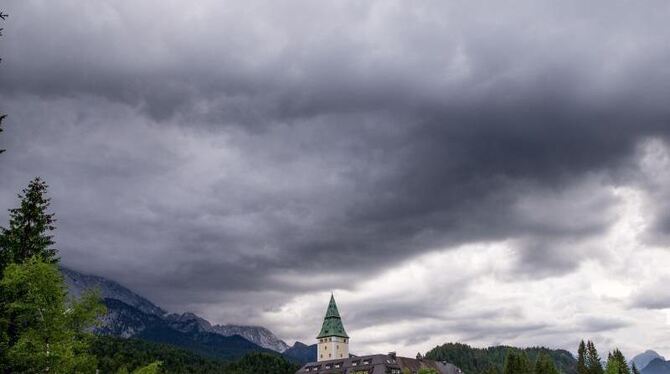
x=130, y=315
x=650, y=362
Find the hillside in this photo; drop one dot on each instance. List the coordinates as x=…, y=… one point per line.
x=130, y=314
x=657, y=366
x=643, y=359
x=115, y=353
x=478, y=360
x=301, y=352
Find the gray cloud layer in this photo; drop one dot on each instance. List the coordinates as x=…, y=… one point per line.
x=200, y=152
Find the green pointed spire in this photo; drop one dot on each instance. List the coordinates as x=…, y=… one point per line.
x=332, y=323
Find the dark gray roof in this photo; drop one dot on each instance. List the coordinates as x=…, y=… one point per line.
x=376, y=364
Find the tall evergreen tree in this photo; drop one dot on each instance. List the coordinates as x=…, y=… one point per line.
x=616, y=363
x=491, y=370
x=581, y=359
x=29, y=228
x=517, y=362
x=593, y=362
x=545, y=365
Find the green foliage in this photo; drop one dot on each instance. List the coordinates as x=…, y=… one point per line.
x=43, y=332
x=545, y=365
x=492, y=370
x=491, y=360
x=262, y=363
x=29, y=228
x=517, y=363
x=581, y=359
x=152, y=368
x=616, y=363
x=427, y=371
x=117, y=355
x=593, y=361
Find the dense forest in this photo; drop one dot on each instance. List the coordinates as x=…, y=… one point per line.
x=534, y=360
x=482, y=360
x=117, y=355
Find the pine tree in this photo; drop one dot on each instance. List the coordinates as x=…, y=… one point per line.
x=545, y=365
x=593, y=362
x=491, y=370
x=29, y=227
x=581, y=359
x=616, y=363
x=517, y=363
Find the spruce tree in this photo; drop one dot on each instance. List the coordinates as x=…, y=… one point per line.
x=581, y=359
x=545, y=365
x=517, y=363
x=593, y=362
x=616, y=363
x=29, y=228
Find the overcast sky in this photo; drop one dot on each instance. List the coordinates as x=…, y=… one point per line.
x=454, y=171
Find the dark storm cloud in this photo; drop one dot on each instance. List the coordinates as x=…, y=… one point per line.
x=277, y=138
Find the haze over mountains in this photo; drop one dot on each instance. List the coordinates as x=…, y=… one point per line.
x=650, y=362
x=133, y=316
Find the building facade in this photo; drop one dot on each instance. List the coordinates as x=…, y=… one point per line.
x=333, y=354
x=333, y=341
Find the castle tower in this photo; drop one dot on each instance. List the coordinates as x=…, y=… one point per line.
x=333, y=340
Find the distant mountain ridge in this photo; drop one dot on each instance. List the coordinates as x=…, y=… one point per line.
x=643, y=359
x=189, y=322
x=77, y=283
x=131, y=315
x=656, y=366
x=301, y=352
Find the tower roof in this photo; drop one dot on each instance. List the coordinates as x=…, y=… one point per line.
x=332, y=323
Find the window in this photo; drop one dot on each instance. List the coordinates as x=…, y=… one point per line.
x=329, y=355
x=337, y=347
x=322, y=355
x=325, y=347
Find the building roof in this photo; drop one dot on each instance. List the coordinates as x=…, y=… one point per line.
x=332, y=323
x=376, y=364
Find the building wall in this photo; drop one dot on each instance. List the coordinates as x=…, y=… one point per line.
x=332, y=348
